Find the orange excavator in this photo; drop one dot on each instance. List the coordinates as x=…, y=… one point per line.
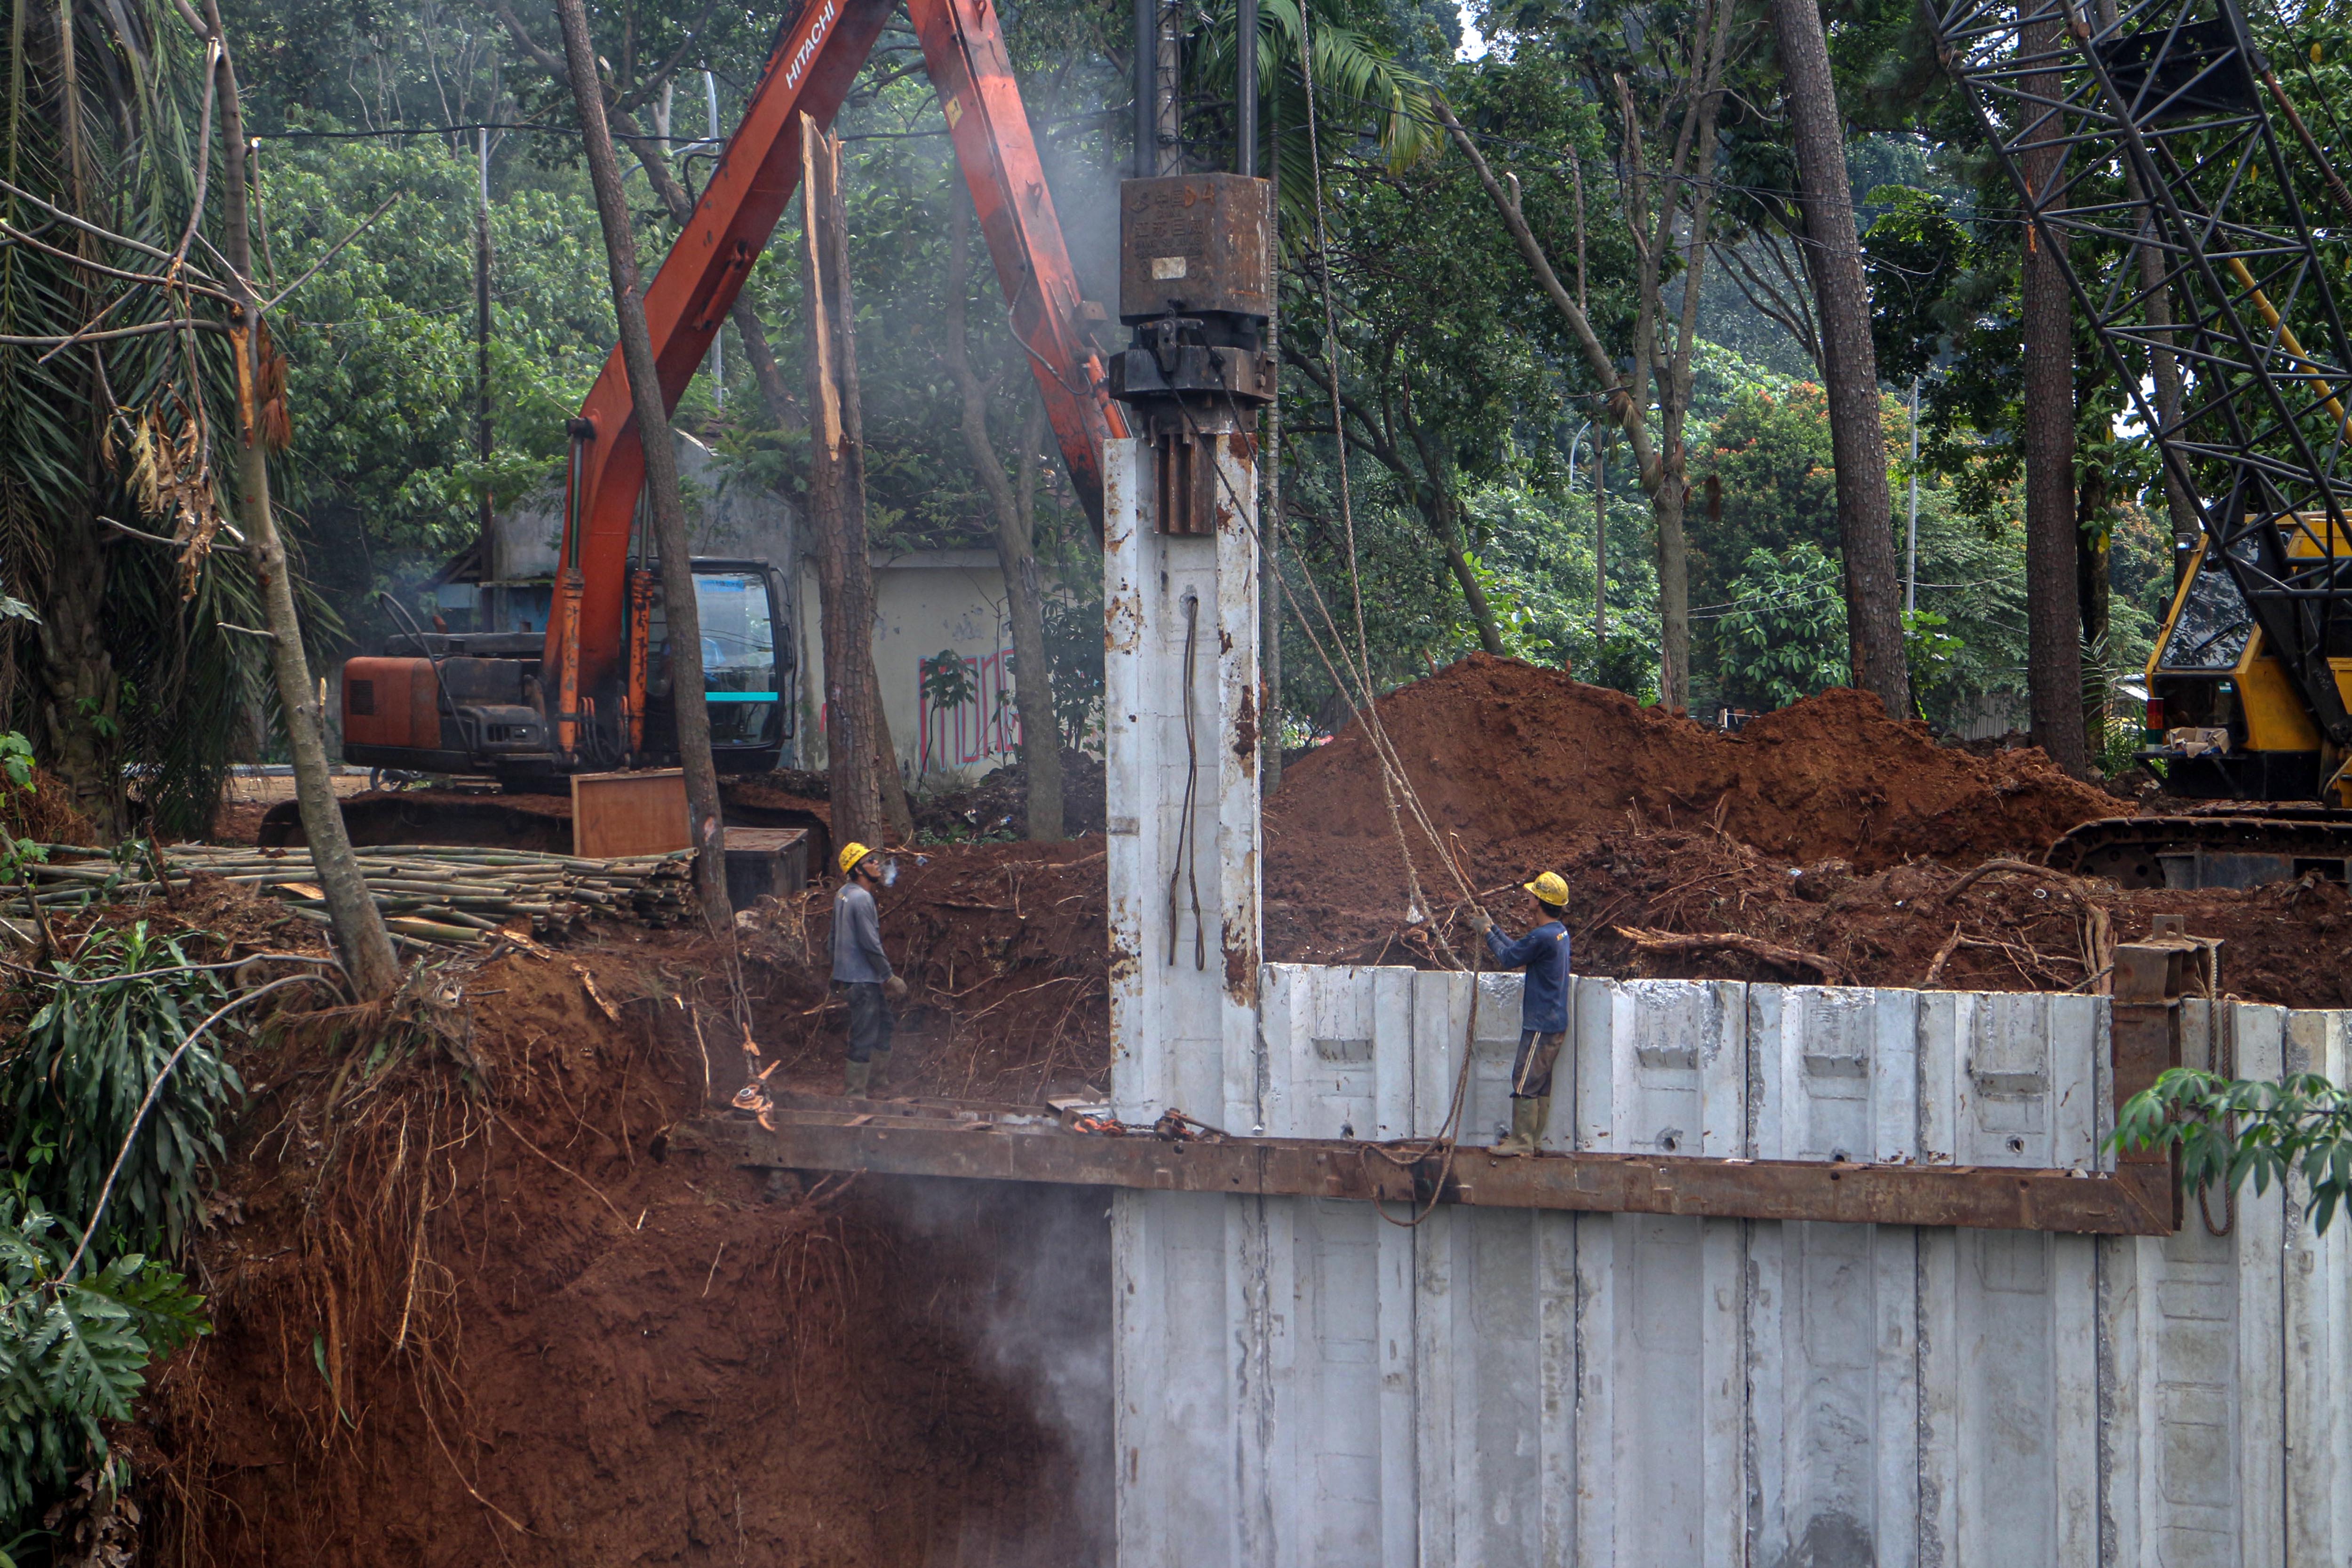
x=590, y=694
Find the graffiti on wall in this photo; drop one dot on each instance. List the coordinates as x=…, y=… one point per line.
x=965, y=705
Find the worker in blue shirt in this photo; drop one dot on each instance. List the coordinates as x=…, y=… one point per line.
x=1543, y=1009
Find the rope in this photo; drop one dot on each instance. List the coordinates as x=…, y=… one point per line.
x=1412, y=1155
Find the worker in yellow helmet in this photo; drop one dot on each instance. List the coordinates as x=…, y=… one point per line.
x=1543, y=1007
x=861, y=968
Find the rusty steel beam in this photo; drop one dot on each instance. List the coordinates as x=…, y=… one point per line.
x=2138, y=1201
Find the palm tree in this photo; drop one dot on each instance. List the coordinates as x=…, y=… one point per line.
x=120, y=670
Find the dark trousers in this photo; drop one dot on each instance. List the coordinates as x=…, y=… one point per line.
x=870, y=1022
x=1531, y=1069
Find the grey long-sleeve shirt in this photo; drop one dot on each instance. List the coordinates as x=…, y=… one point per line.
x=857, y=955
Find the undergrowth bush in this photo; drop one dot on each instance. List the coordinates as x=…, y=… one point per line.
x=77, y=1334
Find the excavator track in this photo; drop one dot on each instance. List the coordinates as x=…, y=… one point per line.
x=542, y=822
x=2243, y=845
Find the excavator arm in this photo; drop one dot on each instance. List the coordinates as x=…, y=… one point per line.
x=811, y=72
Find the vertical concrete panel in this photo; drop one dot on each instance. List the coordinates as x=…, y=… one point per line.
x=1831, y=1311
x=1556, y=1351
x=1340, y=1470
x=2017, y=1086
x=1673, y=1079
x=2259, y=1230
x=2317, y=1336
x=1130, y=856
x=2010, y=1400
x=1177, y=1499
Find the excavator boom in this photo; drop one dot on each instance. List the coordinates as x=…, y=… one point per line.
x=810, y=73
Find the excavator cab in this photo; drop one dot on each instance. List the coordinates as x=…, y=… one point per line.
x=479, y=703
x=747, y=668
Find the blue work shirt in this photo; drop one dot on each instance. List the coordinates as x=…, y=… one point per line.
x=1543, y=953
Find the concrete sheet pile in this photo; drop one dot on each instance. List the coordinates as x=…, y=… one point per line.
x=1303, y=1382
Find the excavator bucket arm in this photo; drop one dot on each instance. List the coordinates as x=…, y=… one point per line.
x=811, y=72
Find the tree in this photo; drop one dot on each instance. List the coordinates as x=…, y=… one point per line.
x=859, y=754
x=2054, y=665
x=1016, y=552
x=1832, y=255
x=1667, y=209
x=126, y=669
x=668, y=512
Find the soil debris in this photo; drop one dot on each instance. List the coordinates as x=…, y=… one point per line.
x=476, y=1313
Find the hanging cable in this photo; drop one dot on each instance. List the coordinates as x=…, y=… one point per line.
x=1188, y=848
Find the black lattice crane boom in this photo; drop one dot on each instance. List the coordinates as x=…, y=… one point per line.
x=2144, y=152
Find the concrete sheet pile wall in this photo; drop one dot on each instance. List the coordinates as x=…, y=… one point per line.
x=1303, y=1382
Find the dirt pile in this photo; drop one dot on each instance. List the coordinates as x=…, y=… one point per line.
x=1005, y=947
x=1826, y=831
x=1502, y=751
x=471, y=1309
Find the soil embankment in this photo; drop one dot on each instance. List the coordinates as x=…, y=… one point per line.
x=472, y=1310
x=1827, y=828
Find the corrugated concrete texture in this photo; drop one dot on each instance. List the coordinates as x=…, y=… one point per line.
x=1311, y=1383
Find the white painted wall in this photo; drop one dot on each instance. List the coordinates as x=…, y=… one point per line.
x=1301, y=1381
x=925, y=602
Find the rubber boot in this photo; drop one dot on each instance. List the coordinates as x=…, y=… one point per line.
x=853, y=1083
x=1526, y=1127
x=1543, y=1120
x=879, y=1083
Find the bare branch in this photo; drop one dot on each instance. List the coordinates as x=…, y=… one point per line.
x=308, y=273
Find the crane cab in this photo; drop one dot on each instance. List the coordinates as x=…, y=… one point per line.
x=2224, y=714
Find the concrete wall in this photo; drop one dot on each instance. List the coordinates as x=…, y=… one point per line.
x=925, y=602
x=1307, y=1383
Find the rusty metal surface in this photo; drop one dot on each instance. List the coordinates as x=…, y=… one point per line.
x=641, y=813
x=847, y=1136
x=1193, y=243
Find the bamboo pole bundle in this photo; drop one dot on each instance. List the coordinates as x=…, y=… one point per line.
x=431, y=895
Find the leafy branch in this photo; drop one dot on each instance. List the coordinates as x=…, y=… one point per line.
x=2227, y=1130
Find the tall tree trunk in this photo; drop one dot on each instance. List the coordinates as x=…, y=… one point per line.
x=1666, y=502
x=1444, y=517
x=1016, y=555
x=2094, y=599
x=1848, y=362
x=679, y=609
x=366, y=946
x=81, y=693
x=857, y=754
x=2053, y=643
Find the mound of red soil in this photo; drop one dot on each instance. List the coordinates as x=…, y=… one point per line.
x=472, y=1310
x=1501, y=751
x=1004, y=947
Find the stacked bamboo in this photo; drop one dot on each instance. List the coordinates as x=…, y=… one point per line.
x=448, y=895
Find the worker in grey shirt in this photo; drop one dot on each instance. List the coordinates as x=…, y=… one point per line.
x=863, y=969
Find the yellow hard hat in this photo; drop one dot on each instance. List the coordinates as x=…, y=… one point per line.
x=1552, y=888
x=851, y=853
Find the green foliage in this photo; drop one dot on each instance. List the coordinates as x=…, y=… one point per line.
x=74, y=1080
x=2228, y=1130
x=110, y=613
x=73, y=1354
x=1074, y=648
x=1784, y=638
